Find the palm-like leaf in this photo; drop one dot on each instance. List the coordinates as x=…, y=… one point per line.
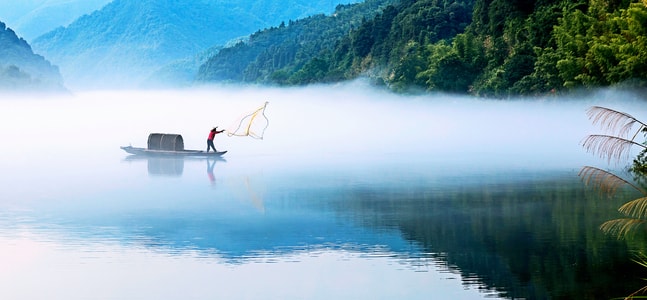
x=611, y=147
x=635, y=208
x=640, y=258
x=622, y=227
x=615, y=122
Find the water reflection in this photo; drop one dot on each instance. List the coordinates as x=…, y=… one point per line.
x=173, y=166
x=510, y=234
x=111, y=271
x=318, y=252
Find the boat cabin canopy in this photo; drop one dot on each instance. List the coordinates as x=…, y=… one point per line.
x=165, y=141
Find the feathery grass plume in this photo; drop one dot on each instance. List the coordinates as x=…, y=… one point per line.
x=608, y=183
x=603, y=181
x=616, y=146
x=622, y=228
x=614, y=122
x=636, y=208
x=611, y=147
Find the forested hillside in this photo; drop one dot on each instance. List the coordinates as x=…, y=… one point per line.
x=120, y=45
x=21, y=69
x=278, y=53
x=482, y=47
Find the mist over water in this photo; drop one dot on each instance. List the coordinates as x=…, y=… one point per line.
x=309, y=126
x=72, y=142
x=327, y=120
x=65, y=177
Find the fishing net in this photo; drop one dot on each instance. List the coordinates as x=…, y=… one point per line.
x=252, y=124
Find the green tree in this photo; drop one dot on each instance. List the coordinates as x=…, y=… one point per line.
x=313, y=71
x=483, y=47
x=545, y=76
x=405, y=72
x=453, y=68
x=601, y=48
x=622, y=51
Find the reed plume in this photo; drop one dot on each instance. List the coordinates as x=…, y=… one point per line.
x=603, y=181
x=614, y=122
x=622, y=228
x=609, y=146
x=616, y=144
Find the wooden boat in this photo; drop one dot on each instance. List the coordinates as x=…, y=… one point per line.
x=164, y=144
x=144, y=151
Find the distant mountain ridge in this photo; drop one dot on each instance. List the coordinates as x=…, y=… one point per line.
x=120, y=45
x=32, y=18
x=21, y=69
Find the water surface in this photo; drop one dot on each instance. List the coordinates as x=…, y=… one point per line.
x=352, y=194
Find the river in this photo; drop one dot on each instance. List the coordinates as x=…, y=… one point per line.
x=353, y=193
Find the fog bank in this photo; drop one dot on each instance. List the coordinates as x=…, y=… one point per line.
x=304, y=121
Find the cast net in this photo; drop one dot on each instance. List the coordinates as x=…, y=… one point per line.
x=252, y=124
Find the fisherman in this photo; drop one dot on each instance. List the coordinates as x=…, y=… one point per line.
x=212, y=134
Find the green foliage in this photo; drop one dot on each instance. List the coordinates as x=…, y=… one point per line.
x=312, y=72
x=406, y=69
x=483, y=47
x=639, y=165
x=453, y=68
x=603, y=49
x=371, y=38
x=297, y=48
x=511, y=31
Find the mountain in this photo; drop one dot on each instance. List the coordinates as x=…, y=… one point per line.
x=21, y=69
x=32, y=18
x=122, y=44
x=356, y=39
x=269, y=54
x=488, y=48
x=179, y=73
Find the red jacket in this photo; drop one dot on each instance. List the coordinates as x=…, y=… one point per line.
x=213, y=133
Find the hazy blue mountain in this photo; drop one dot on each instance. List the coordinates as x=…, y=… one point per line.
x=21, y=69
x=32, y=18
x=122, y=44
x=179, y=73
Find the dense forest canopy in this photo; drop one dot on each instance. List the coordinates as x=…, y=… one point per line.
x=274, y=54
x=481, y=47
